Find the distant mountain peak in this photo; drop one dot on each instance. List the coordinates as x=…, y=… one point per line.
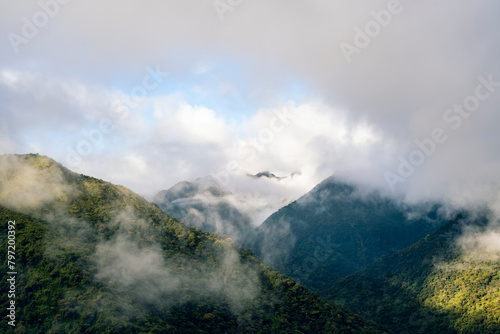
x=205, y=204
x=270, y=175
x=203, y=185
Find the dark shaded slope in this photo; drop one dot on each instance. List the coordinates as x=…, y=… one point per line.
x=335, y=230
x=429, y=287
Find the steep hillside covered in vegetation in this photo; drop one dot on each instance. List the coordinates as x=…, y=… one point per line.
x=336, y=230
x=93, y=257
x=448, y=282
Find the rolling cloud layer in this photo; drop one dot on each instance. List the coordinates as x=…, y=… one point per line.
x=399, y=95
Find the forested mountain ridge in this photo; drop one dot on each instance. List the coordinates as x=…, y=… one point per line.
x=206, y=205
x=337, y=229
x=93, y=257
x=445, y=283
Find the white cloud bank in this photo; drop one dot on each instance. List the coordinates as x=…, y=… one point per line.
x=354, y=119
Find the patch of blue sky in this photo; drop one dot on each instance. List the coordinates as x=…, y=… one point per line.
x=222, y=87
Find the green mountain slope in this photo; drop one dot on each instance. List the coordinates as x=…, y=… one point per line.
x=93, y=257
x=206, y=205
x=433, y=286
x=336, y=230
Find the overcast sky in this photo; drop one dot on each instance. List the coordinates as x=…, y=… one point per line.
x=150, y=93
